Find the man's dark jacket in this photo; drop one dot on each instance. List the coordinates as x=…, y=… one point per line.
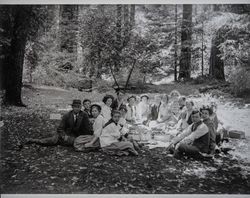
x=70, y=128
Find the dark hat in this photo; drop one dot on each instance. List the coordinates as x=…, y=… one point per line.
x=208, y=108
x=195, y=111
x=76, y=102
x=132, y=96
x=123, y=107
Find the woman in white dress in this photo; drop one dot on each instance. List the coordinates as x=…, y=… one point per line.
x=83, y=142
x=106, y=108
x=185, y=116
x=143, y=109
x=174, y=103
x=111, y=139
x=165, y=114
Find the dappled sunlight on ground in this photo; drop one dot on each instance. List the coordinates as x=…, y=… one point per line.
x=36, y=169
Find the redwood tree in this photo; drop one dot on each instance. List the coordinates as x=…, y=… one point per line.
x=216, y=67
x=24, y=22
x=186, y=43
x=68, y=28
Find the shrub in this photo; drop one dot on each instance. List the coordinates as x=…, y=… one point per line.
x=239, y=81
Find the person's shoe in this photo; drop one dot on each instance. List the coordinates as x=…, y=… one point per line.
x=31, y=141
x=133, y=152
x=177, y=155
x=226, y=150
x=171, y=150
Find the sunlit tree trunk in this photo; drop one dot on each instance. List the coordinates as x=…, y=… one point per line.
x=175, y=46
x=126, y=25
x=132, y=15
x=216, y=67
x=117, y=61
x=186, y=43
x=68, y=28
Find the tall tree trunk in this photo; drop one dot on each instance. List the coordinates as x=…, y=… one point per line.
x=130, y=73
x=14, y=62
x=5, y=34
x=117, y=61
x=132, y=15
x=186, y=43
x=15, y=73
x=175, y=46
x=216, y=7
x=69, y=28
x=216, y=67
x=126, y=25
x=202, y=50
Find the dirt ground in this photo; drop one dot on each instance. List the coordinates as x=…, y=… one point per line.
x=57, y=169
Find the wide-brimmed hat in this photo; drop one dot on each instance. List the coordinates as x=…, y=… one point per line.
x=76, y=102
x=97, y=106
x=132, y=96
x=144, y=95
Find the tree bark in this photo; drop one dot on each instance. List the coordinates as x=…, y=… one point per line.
x=175, y=46
x=130, y=73
x=14, y=62
x=117, y=61
x=68, y=28
x=126, y=26
x=186, y=43
x=132, y=16
x=202, y=50
x=216, y=67
x=5, y=25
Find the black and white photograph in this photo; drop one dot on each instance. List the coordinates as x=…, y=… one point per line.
x=125, y=99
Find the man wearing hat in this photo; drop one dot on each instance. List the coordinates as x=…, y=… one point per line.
x=73, y=124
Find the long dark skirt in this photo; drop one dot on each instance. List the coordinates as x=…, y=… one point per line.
x=120, y=148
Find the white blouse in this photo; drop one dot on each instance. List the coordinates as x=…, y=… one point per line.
x=175, y=108
x=123, y=123
x=106, y=113
x=131, y=113
x=164, y=112
x=110, y=134
x=143, y=111
x=98, y=125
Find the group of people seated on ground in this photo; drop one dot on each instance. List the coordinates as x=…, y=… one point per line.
x=106, y=126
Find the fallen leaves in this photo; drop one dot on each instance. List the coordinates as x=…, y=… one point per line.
x=59, y=169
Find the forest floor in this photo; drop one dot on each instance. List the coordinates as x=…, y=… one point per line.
x=58, y=169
